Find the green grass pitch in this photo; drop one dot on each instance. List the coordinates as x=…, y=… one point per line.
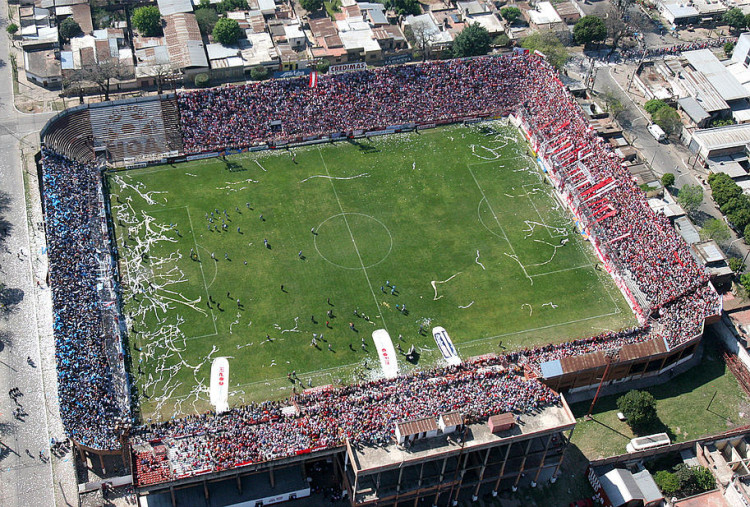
x=459, y=219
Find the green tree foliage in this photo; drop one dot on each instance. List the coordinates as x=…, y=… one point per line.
x=723, y=188
x=323, y=66
x=202, y=80
x=226, y=31
x=231, y=5
x=612, y=104
x=12, y=29
x=704, y=479
x=258, y=73
x=639, y=408
x=147, y=20
x=736, y=264
x=668, y=483
x=404, y=7
x=510, y=14
x=68, y=29
x=716, y=230
x=667, y=179
x=745, y=281
x=501, y=40
x=653, y=105
x=206, y=18
x=690, y=197
x=311, y=5
x=734, y=18
x=549, y=44
x=589, y=29
x=729, y=46
x=668, y=119
x=474, y=40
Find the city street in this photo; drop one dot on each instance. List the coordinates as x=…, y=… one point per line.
x=26, y=346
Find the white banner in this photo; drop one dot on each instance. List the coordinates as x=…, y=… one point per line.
x=347, y=67
x=386, y=353
x=445, y=345
x=219, y=392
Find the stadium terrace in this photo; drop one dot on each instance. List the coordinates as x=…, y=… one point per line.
x=650, y=263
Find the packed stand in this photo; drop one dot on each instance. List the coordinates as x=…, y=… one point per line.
x=365, y=414
x=88, y=404
x=240, y=116
x=639, y=242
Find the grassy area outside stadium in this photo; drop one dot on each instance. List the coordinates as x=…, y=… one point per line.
x=252, y=256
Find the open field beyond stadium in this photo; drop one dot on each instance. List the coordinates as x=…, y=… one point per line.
x=459, y=219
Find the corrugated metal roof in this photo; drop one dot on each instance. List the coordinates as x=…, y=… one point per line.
x=452, y=419
x=551, y=369
x=167, y=7
x=184, y=41
x=700, y=87
x=723, y=137
x=417, y=426
x=730, y=168
x=693, y=109
x=687, y=230
x=642, y=349
x=703, y=60
x=583, y=362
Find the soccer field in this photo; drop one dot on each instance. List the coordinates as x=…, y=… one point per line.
x=458, y=219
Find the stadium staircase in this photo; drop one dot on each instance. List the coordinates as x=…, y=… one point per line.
x=171, y=116
x=72, y=136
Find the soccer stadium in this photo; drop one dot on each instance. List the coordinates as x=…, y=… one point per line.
x=461, y=211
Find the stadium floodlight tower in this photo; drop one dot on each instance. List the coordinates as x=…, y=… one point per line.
x=610, y=356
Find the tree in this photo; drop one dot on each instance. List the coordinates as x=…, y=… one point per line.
x=734, y=18
x=723, y=188
x=474, y=40
x=668, y=119
x=667, y=179
x=421, y=36
x=729, y=46
x=716, y=230
x=12, y=29
x=258, y=73
x=549, y=44
x=612, y=104
x=103, y=73
x=510, y=14
x=653, y=105
x=404, y=7
x=589, y=29
x=617, y=28
x=202, y=80
x=231, y=5
x=323, y=66
x=639, y=408
x=227, y=31
x=162, y=73
x=311, y=5
x=501, y=40
x=668, y=482
x=736, y=264
x=206, y=18
x=704, y=479
x=147, y=20
x=68, y=29
x=745, y=281
x=690, y=197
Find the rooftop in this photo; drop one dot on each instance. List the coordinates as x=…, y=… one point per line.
x=167, y=7
x=544, y=14
x=184, y=41
x=703, y=60
x=549, y=419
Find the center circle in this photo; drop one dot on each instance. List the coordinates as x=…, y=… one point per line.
x=353, y=240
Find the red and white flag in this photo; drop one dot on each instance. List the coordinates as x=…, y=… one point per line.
x=314, y=79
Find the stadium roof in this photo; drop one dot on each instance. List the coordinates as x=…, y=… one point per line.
x=703, y=60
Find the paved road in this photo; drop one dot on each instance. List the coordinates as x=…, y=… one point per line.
x=25, y=479
x=672, y=157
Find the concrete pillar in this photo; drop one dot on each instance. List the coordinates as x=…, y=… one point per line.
x=171, y=492
x=421, y=472
x=481, y=473
x=502, y=468
x=400, y=473
x=239, y=484
x=271, y=477
x=541, y=464
x=101, y=463
x=523, y=464
x=205, y=489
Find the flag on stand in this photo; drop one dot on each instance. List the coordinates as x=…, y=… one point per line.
x=314, y=79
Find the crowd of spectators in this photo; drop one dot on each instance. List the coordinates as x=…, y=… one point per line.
x=635, y=53
x=365, y=414
x=75, y=239
x=639, y=244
